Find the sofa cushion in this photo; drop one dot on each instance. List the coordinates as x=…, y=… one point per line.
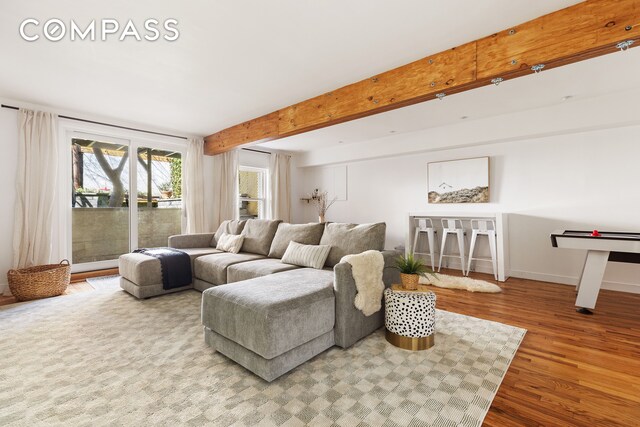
x=313, y=256
x=273, y=314
x=228, y=227
x=258, y=235
x=307, y=234
x=194, y=240
x=348, y=239
x=230, y=243
x=258, y=268
x=213, y=268
x=195, y=253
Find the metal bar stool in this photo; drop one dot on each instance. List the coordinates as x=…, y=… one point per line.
x=453, y=226
x=484, y=227
x=425, y=226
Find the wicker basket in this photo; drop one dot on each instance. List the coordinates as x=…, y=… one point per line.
x=41, y=281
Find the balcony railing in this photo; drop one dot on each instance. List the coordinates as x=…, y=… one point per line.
x=101, y=200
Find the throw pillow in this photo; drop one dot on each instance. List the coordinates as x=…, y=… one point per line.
x=349, y=239
x=313, y=256
x=307, y=234
x=229, y=227
x=230, y=242
x=258, y=235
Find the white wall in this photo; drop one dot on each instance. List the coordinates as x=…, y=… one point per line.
x=8, y=170
x=254, y=159
x=584, y=180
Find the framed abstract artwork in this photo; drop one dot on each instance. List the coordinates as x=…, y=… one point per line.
x=458, y=181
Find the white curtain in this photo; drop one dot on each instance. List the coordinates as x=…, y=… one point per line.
x=226, y=187
x=279, y=202
x=193, y=209
x=36, y=188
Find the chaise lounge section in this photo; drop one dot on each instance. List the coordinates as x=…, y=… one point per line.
x=273, y=323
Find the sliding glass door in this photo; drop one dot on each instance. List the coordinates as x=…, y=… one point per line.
x=159, y=196
x=121, y=201
x=100, y=211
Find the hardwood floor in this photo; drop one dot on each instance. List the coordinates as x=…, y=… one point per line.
x=571, y=369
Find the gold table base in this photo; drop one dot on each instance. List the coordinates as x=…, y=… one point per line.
x=408, y=343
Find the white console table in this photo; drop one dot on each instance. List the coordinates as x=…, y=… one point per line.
x=502, y=232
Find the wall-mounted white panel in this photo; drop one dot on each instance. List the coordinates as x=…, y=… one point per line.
x=332, y=179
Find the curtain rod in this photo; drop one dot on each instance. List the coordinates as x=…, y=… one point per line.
x=106, y=124
x=257, y=151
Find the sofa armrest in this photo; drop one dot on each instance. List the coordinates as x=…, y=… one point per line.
x=185, y=241
x=351, y=324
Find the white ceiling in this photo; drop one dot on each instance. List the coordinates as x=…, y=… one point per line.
x=613, y=73
x=234, y=60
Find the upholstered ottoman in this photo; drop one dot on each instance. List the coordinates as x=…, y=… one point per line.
x=141, y=276
x=274, y=323
x=410, y=318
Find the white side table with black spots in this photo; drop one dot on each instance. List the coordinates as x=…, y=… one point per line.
x=410, y=317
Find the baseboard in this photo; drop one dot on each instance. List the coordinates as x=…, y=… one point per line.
x=573, y=281
x=621, y=287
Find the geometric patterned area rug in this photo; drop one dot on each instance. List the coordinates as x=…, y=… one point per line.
x=106, y=358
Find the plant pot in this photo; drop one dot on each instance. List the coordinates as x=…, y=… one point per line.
x=409, y=281
x=321, y=218
x=166, y=194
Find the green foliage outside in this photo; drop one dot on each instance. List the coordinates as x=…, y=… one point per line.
x=176, y=177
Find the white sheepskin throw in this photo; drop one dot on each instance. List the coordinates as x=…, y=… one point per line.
x=367, y=268
x=453, y=282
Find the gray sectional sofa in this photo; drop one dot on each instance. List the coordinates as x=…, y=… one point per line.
x=267, y=315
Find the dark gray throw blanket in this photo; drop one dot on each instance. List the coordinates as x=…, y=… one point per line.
x=174, y=264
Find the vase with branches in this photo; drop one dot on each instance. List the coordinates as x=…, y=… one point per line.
x=322, y=203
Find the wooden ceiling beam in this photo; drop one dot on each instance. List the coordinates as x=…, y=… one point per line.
x=585, y=30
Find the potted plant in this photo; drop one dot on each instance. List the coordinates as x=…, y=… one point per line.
x=165, y=190
x=410, y=271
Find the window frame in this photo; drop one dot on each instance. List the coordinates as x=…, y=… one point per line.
x=262, y=201
x=69, y=129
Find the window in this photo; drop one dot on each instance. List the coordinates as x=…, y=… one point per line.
x=252, y=183
x=100, y=209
